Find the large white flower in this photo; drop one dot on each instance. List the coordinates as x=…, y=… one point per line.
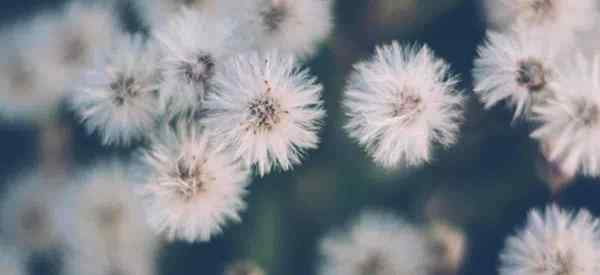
x=554, y=242
x=266, y=110
x=192, y=190
x=402, y=102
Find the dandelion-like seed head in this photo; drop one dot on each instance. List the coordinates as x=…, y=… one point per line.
x=193, y=190
x=199, y=70
x=554, y=242
x=402, y=102
x=265, y=110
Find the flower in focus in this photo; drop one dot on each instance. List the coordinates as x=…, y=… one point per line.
x=118, y=97
x=193, y=191
x=553, y=242
x=377, y=243
x=265, y=110
x=402, y=102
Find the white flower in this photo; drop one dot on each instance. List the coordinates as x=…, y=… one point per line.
x=378, y=243
x=295, y=26
x=193, y=191
x=104, y=224
x=570, y=121
x=554, y=242
x=562, y=17
x=516, y=67
x=193, y=45
x=27, y=214
x=402, y=102
x=266, y=110
x=11, y=261
x=118, y=97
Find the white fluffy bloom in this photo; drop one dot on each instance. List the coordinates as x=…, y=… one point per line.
x=378, y=243
x=516, y=67
x=402, y=102
x=266, y=110
x=11, y=262
x=570, y=121
x=193, y=191
x=554, y=242
x=27, y=214
x=118, y=97
x=296, y=26
x=105, y=226
x=561, y=17
x=193, y=45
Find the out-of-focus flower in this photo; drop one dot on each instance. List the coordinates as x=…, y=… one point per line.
x=295, y=26
x=559, y=17
x=118, y=97
x=156, y=12
x=377, y=243
x=266, y=110
x=516, y=67
x=193, y=44
x=105, y=225
x=449, y=245
x=11, y=262
x=570, y=120
x=402, y=102
x=27, y=216
x=244, y=268
x=554, y=242
x=192, y=191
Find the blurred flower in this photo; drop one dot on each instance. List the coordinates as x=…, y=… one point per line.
x=266, y=110
x=118, y=97
x=559, y=17
x=193, y=191
x=402, y=102
x=517, y=67
x=11, y=262
x=104, y=224
x=156, y=12
x=450, y=245
x=377, y=244
x=554, y=242
x=193, y=45
x=244, y=268
x=570, y=121
x=27, y=216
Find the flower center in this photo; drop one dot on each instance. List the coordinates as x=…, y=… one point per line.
x=531, y=75
x=275, y=15
x=265, y=111
x=373, y=265
x=192, y=176
x=199, y=71
x=124, y=87
x=589, y=114
x=406, y=107
x=109, y=215
x=538, y=10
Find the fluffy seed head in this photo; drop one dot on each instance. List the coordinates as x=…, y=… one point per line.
x=118, y=97
x=517, y=68
x=570, y=120
x=265, y=110
x=377, y=243
x=193, y=191
x=402, y=102
x=554, y=242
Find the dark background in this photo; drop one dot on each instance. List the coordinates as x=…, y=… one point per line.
x=485, y=185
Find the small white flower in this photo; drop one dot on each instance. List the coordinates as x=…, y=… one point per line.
x=266, y=110
x=402, y=102
x=562, y=17
x=554, y=242
x=104, y=224
x=570, y=121
x=193, y=191
x=516, y=67
x=27, y=213
x=295, y=26
x=193, y=44
x=378, y=243
x=118, y=97
x=11, y=261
